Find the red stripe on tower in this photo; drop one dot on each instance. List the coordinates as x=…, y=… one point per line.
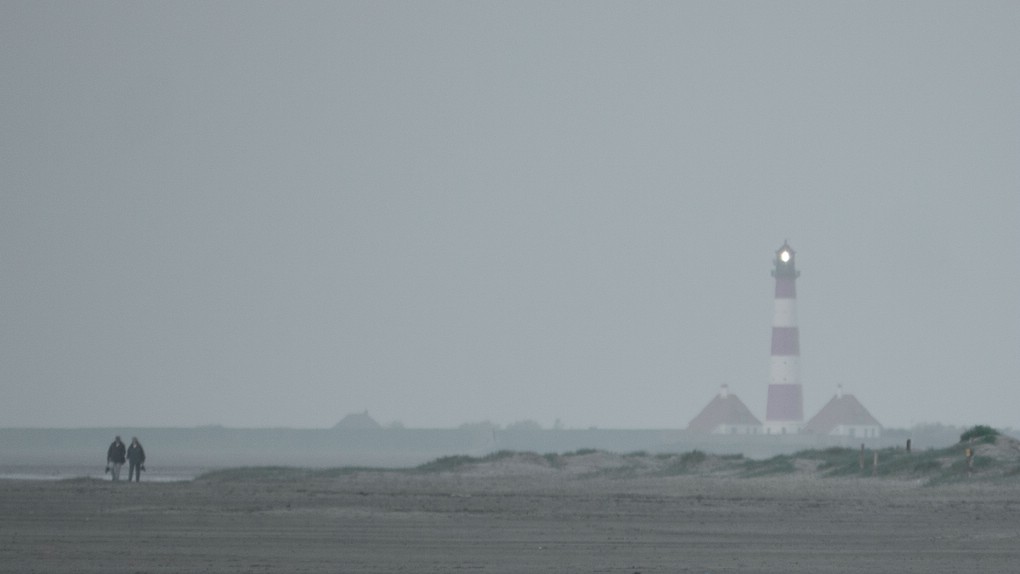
x=784, y=412
x=785, y=342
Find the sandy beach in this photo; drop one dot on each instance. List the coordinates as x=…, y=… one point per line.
x=499, y=520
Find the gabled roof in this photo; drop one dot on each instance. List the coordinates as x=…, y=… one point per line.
x=357, y=421
x=725, y=409
x=841, y=410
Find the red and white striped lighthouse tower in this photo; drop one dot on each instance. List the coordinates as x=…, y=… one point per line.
x=784, y=412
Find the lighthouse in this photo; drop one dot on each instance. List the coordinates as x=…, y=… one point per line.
x=784, y=412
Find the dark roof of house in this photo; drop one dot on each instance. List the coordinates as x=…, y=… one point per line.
x=841, y=410
x=357, y=421
x=725, y=409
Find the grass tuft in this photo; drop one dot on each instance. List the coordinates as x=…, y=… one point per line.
x=979, y=434
x=782, y=464
x=447, y=463
x=686, y=463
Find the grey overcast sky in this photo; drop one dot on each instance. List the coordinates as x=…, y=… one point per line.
x=278, y=213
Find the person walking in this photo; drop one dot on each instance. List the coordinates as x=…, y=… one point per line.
x=115, y=458
x=136, y=460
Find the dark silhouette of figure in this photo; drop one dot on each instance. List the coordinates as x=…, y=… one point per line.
x=136, y=458
x=115, y=458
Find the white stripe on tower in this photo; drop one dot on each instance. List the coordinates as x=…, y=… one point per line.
x=784, y=371
x=784, y=410
x=786, y=313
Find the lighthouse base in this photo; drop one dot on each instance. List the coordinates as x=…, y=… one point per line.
x=784, y=413
x=783, y=427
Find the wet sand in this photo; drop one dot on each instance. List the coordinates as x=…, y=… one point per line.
x=422, y=522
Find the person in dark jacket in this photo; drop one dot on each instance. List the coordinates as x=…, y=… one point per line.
x=136, y=458
x=115, y=458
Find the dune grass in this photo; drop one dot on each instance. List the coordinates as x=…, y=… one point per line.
x=933, y=466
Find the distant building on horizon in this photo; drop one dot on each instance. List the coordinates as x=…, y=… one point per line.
x=725, y=414
x=845, y=416
x=357, y=421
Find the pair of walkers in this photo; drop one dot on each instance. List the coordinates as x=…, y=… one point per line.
x=117, y=455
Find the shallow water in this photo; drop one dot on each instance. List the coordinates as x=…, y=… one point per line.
x=65, y=472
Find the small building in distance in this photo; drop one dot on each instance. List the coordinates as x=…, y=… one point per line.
x=844, y=416
x=725, y=414
x=357, y=421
